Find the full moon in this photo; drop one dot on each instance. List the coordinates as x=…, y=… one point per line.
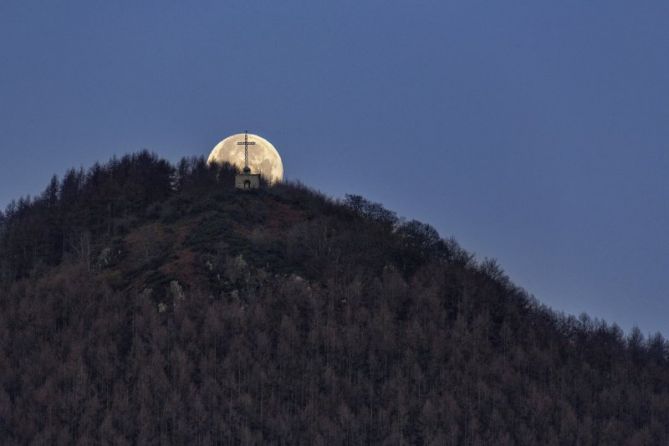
x=263, y=157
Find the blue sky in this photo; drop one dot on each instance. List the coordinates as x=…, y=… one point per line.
x=534, y=132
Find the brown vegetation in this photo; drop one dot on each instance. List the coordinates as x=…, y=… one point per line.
x=142, y=303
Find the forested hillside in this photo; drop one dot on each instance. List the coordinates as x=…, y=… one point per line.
x=145, y=303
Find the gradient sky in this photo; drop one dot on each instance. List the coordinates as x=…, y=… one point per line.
x=534, y=132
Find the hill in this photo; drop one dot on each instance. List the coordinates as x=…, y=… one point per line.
x=145, y=303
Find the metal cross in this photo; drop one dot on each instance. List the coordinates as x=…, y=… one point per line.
x=246, y=145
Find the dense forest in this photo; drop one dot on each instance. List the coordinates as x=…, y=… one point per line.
x=146, y=303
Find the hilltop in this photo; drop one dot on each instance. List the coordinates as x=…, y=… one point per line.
x=142, y=302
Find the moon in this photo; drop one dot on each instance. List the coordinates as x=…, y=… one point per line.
x=263, y=156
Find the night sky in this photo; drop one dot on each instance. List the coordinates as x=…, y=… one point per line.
x=534, y=132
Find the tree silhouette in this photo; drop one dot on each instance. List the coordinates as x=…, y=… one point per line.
x=147, y=303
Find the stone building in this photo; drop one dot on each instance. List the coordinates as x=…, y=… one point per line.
x=247, y=180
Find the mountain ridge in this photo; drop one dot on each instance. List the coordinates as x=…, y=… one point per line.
x=144, y=302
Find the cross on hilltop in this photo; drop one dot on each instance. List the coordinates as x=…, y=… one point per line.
x=247, y=180
x=246, y=143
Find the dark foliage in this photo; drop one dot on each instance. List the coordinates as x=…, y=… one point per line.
x=142, y=303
